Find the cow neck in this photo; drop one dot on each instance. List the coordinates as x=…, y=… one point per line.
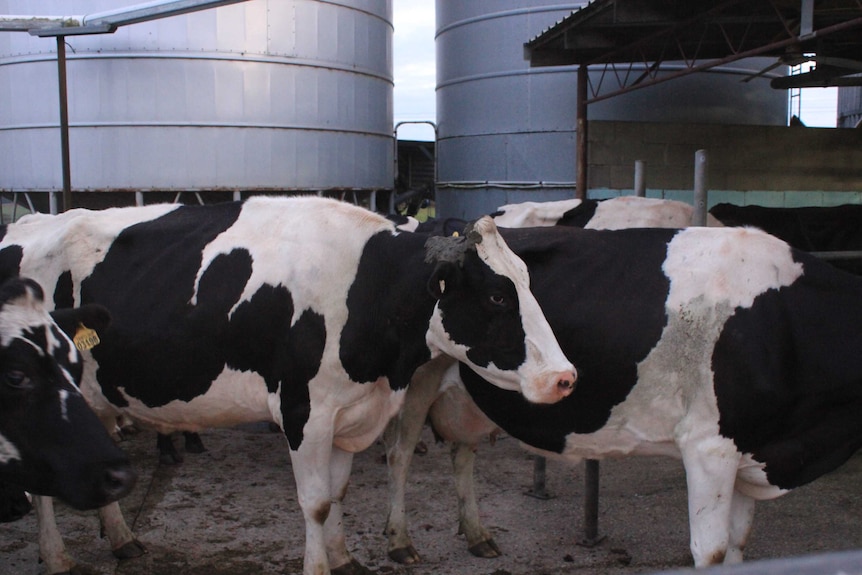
x=389, y=310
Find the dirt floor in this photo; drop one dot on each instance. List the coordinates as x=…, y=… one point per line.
x=233, y=510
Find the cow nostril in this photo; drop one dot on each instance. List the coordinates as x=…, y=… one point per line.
x=118, y=481
x=566, y=382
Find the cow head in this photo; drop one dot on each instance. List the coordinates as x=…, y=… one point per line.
x=51, y=442
x=487, y=317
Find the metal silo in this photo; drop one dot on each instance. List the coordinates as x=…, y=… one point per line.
x=506, y=132
x=850, y=107
x=261, y=96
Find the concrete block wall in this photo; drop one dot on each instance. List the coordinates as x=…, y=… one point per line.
x=764, y=165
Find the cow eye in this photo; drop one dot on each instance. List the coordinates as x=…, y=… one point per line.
x=498, y=300
x=16, y=379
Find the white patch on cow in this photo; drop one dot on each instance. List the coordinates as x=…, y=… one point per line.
x=636, y=212
x=234, y=397
x=20, y=315
x=411, y=225
x=534, y=214
x=730, y=266
x=313, y=250
x=64, y=408
x=712, y=272
x=751, y=480
x=52, y=243
x=360, y=423
x=8, y=452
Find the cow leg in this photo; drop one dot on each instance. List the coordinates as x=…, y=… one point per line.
x=310, y=465
x=193, y=442
x=52, y=550
x=710, y=468
x=124, y=545
x=741, y=519
x=400, y=439
x=479, y=541
x=168, y=454
x=333, y=528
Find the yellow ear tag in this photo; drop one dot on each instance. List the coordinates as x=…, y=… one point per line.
x=85, y=338
x=455, y=234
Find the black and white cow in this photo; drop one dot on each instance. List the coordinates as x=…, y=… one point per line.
x=611, y=214
x=51, y=442
x=724, y=347
x=307, y=312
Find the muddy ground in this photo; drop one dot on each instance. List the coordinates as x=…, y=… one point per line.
x=233, y=510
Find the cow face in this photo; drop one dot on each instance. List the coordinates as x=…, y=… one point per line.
x=51, y=443
x=487, y=317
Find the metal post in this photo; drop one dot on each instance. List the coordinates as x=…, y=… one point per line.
x=640, y=179
x=538, y=490
x=581, y=177
x=701, y=163
x=591, y=504
x=64, y=123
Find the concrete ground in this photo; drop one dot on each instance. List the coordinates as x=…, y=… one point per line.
x=233, y=511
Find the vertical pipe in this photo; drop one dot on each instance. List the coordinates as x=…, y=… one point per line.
x=591, y=502
x=539, y=474
x=701, y=163
x=139, y=198
x=640, y=179
x=64, y=123
x=581, y=178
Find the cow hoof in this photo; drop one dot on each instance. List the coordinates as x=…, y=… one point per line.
x=352, y=568
x=194, y=444
x=405, y=555
x=170, y=458
x=486, y=549
x=130, y=550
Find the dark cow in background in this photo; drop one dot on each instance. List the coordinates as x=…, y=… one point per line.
x=51, y=443
x=723, y=347
x=306, y=312
x=813, y=229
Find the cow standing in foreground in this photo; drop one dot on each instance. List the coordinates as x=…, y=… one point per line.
x=307, y=312
x=50, y=441
x=723, y=347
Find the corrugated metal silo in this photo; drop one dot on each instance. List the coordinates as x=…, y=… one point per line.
x=850, y=107
x=265, y=95
x=506, y=132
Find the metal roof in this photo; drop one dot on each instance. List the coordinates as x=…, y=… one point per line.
x=707, y=33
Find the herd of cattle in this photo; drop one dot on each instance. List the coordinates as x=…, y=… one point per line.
x=722, y=346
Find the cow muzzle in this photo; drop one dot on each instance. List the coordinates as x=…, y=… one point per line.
x=551, y=388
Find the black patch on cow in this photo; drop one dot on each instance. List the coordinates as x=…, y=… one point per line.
x=580, y=215
x=63, y=291
x=788, y=375
x=10, y=260
x=262, y=339
x=160, y=347
x=388, y=311
x=604, y=295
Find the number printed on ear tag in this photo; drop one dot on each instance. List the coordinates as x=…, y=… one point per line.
x=85, y=338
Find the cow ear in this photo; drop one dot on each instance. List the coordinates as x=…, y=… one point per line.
x=93, y=316
x=446, y=276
